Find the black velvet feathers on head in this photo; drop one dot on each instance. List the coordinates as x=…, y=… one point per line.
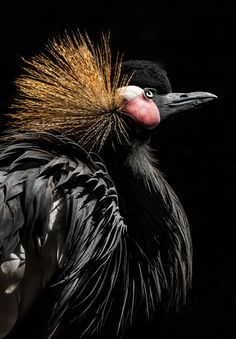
x=147, y=74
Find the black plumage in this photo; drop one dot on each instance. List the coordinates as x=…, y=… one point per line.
x=88, y=242
x=108, y=263
x=147, y=74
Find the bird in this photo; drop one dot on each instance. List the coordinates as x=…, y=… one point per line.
x=92, y=236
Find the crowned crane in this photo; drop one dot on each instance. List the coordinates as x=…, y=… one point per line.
x=91, y=234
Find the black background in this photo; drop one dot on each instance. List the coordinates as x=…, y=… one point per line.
x=195, y=42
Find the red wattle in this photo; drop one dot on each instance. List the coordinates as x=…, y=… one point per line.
x=144, y=111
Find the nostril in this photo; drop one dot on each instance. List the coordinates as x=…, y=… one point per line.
x=183, y=96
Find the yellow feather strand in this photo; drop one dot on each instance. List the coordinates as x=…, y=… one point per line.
x=72, y=88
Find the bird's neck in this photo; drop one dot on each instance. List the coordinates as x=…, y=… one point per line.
x=141, y=191
x=154, y=217
x=133, y=169
x=137, y=160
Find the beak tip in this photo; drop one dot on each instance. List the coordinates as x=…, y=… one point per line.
x=213, y=96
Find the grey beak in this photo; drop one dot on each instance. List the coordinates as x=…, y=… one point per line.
x=172, y=104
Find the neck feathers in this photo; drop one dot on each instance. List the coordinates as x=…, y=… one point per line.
x=157, y=224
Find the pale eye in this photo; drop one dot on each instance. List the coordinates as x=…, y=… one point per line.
x=150, y=93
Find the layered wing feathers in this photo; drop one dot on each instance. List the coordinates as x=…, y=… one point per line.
x=61, y=206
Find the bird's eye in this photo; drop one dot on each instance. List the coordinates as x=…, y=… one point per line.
x=149, y=93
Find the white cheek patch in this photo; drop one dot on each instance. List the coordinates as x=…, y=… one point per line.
x=130, y=92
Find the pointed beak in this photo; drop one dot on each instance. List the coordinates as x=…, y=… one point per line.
x=172, y=104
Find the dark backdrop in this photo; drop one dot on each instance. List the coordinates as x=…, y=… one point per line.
x=195, y=42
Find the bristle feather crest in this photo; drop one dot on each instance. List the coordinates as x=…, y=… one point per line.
x=72, y=87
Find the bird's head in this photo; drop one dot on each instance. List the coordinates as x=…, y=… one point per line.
x=73, y=88
x=149, y=98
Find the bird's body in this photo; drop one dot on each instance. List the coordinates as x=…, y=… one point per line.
x=87, y=241
x=113, y=255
